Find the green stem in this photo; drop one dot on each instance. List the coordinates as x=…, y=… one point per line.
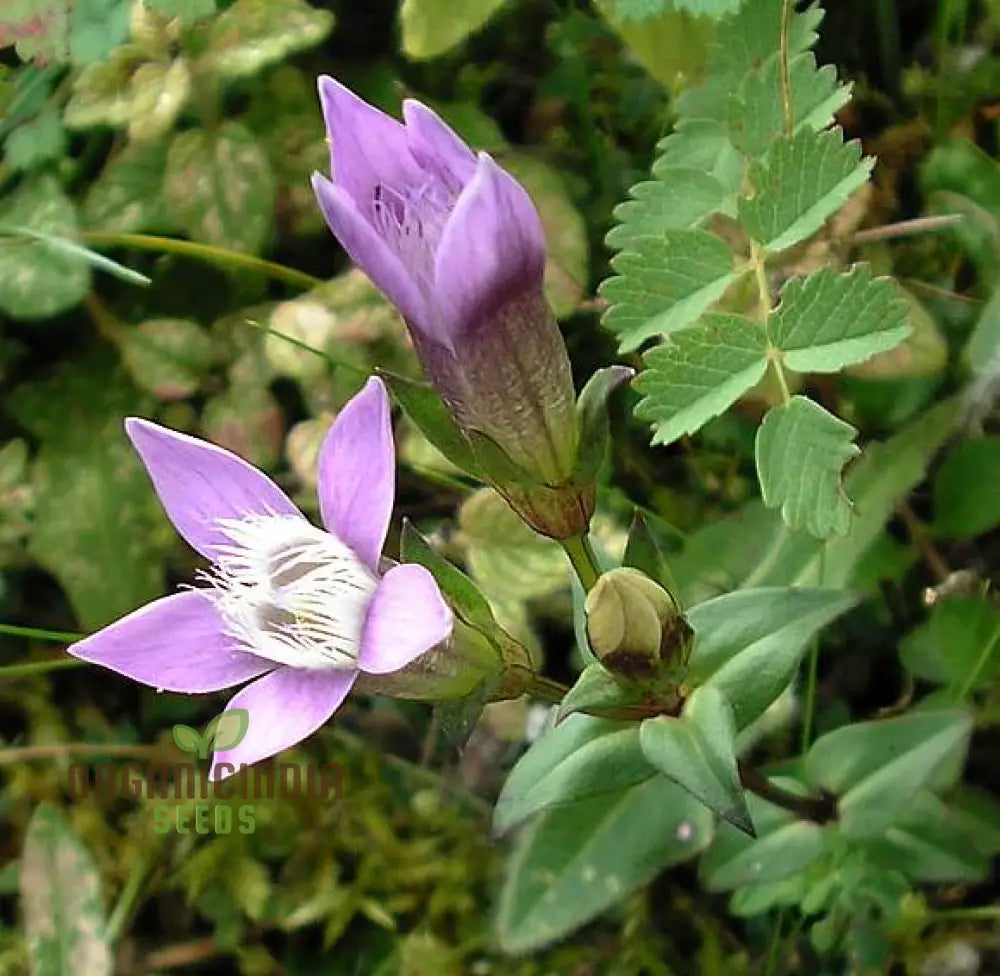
x=39, y=667
x=984, y=656
x=57, y=636
x=979, y=913
x=788, y=110
x=131, y=893
x=548, y=689
x=581, y=556
x=203, y=252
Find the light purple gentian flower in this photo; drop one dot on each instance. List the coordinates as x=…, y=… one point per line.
x=300, y=609
x=457, y=245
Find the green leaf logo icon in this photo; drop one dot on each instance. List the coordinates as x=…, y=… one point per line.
x=225, y=731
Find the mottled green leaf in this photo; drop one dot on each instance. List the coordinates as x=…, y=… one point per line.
x=187, y=11
x=219, y=186
x=699, y=373
x=168, y=357
x=64, y=923
x=252, y=34
x=38, y=280
x=128, y=194
x=801, y=451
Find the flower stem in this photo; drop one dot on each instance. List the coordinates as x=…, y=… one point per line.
x=132, y=892
x=57, y=636
x=582, y=559
x=39, y=667
x=203, y=252
x=818, y=809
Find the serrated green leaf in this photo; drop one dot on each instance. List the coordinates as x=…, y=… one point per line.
x=702, y=145
x=966, y=499
x=756, y=113
x=801, y=182
x=644, y=9
x=749, y=643
x=829, y=320
x=219, y=186
x=679, y=202
x=252, y=34
x=61, y=899
x=39, y=280
x=699, y=373
x=581, y=758
x=664, y=284
x=801, y=451
x=431, y=27
x=696, y=751
x=876, y=768
x=574, y=862
x=128, y=195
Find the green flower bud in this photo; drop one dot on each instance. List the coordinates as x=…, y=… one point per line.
x=633, y=625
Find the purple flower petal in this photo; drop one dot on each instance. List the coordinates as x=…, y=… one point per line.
x=436, y=147
x=367, y=147
x=367, y=249
x=406, y=617
x=357, y=473
x=285, y=707
x=492, y=249
x=173, y=644
x=199, y=483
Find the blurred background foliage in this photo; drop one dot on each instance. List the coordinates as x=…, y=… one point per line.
x=161, y=254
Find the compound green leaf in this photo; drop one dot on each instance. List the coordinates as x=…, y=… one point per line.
x=698, y=373
x=801, y=451
x=665, y=283
x=829, y=320
x=801, y=182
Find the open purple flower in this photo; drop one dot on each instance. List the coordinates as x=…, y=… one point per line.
x=301, y=610
x=457, y=245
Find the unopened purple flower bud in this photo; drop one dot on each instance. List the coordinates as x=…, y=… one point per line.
x=457, y=245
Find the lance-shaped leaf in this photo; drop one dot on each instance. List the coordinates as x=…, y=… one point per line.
x=696, y=752
x=574, y=862
x=876, y=768
x=931, y=843
x=699, y=373
x=801, y=182
x=665, y=283
x=749, y=643
x=424, y=407
x=64, y=922
x=597, y=689
x=592, y=419
x=579, y=759
x=784, y=847
x=801, y=451
x=830, y=320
